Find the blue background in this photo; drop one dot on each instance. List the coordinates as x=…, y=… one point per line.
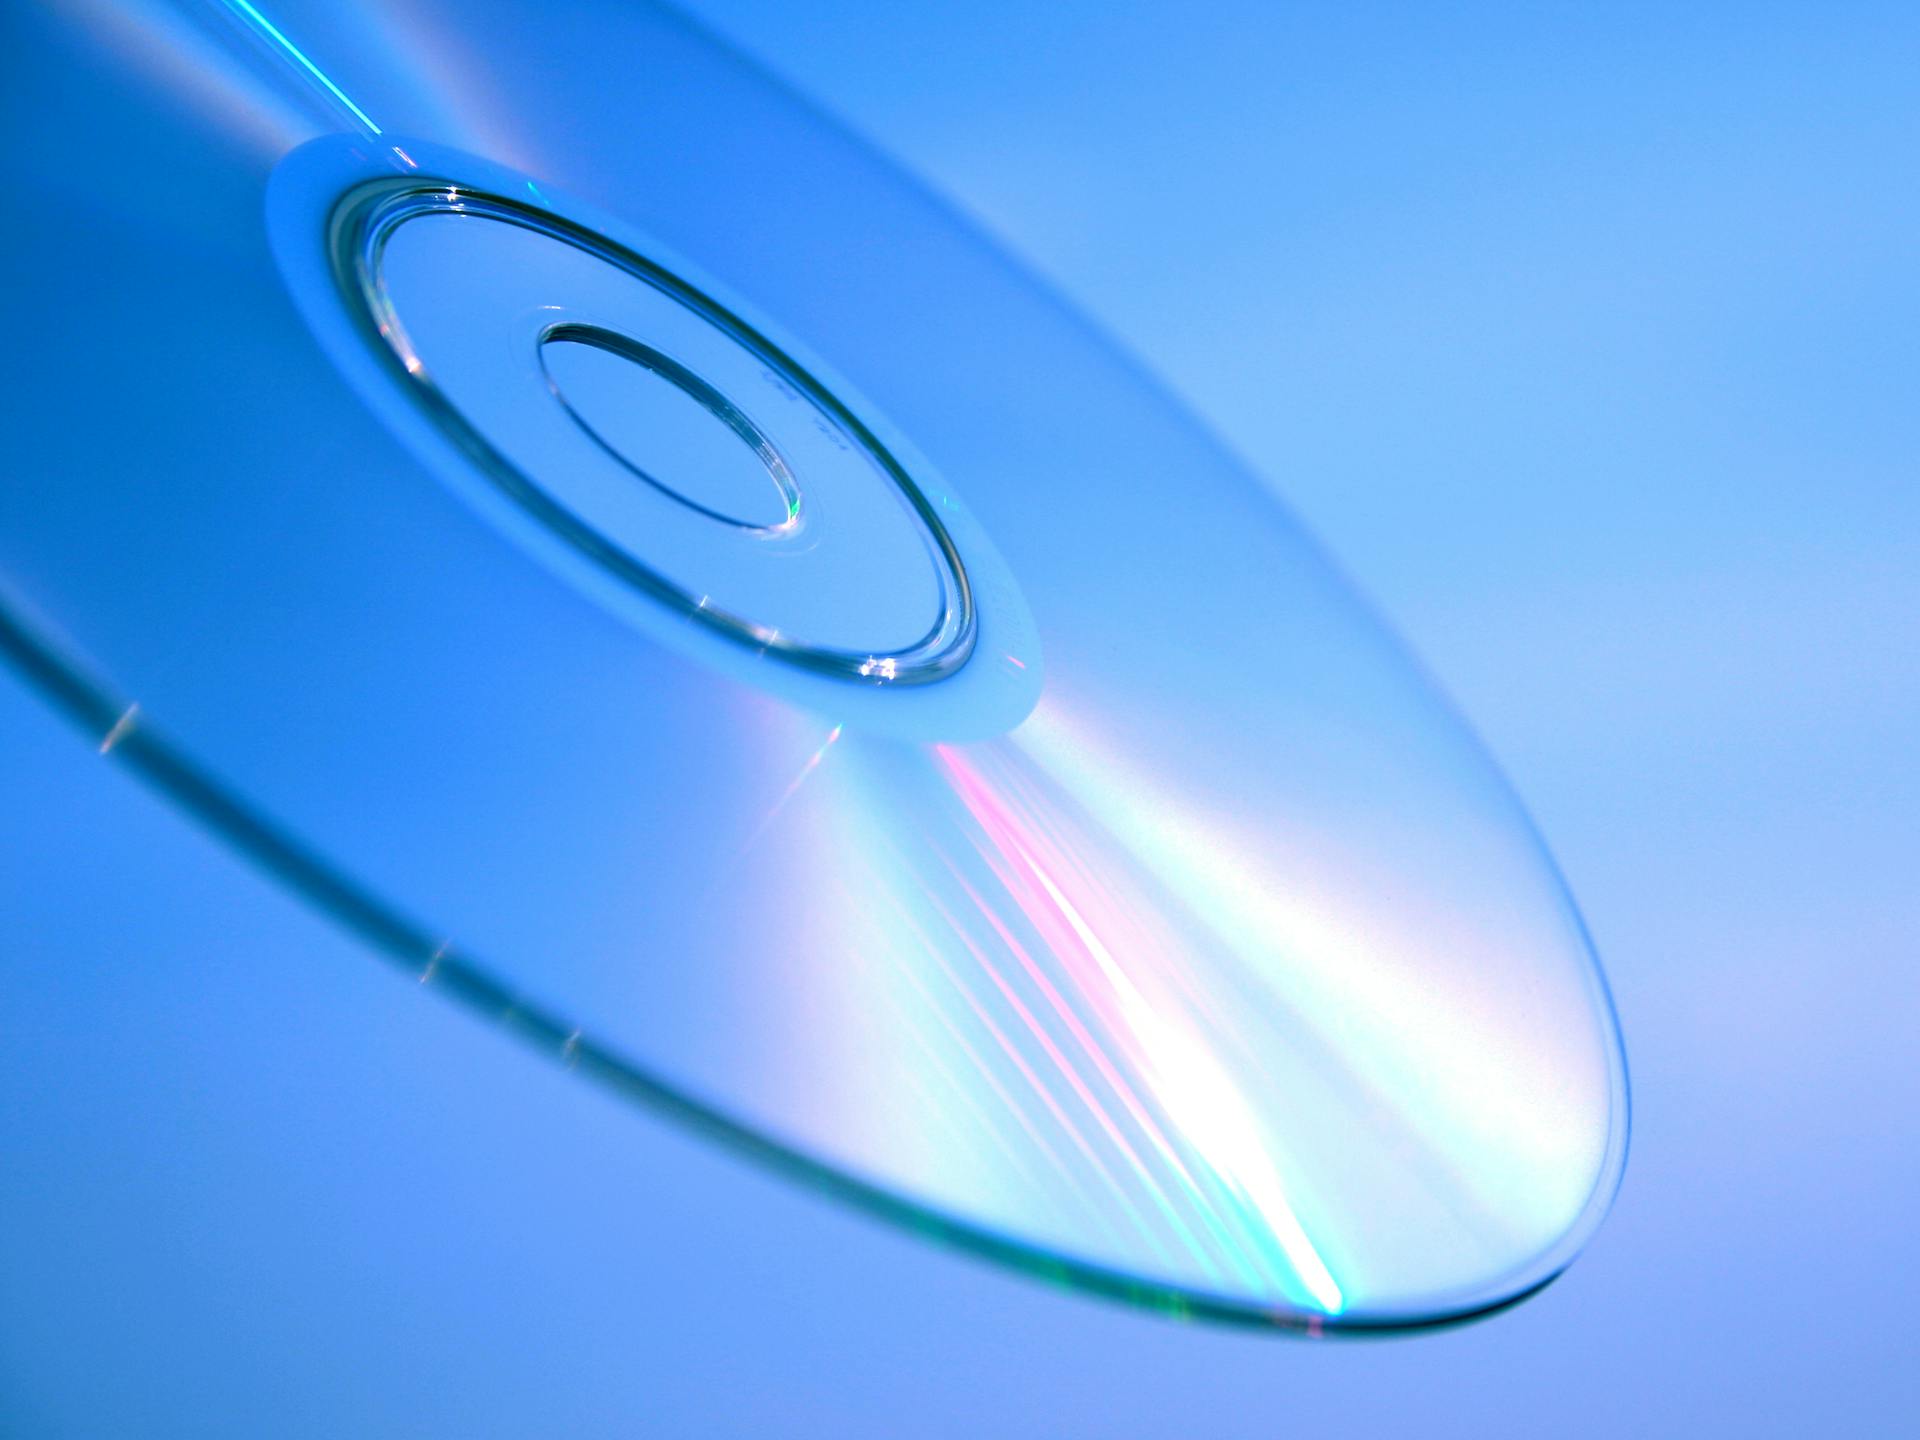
x=1585, y=336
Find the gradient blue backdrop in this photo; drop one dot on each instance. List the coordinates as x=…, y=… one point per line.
x=1586, y=336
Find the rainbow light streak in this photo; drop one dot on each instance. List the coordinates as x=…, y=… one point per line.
x=1135, y=1108
x=986, y=1072
x=1081, y=1090
x=1012, y=1051
x=1234, y=1248
x=1451, y=1063
x=938, y=1005
x=293, y=52
x=1240, y=1253
x=1195, y=1092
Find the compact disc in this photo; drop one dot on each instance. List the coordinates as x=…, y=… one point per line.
x=628, y=552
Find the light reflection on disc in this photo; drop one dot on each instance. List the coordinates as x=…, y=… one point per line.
x=1180, y=942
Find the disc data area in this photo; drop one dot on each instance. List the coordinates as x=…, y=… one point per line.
x=652, y=575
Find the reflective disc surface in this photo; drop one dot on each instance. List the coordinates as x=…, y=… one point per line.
x=686, y=595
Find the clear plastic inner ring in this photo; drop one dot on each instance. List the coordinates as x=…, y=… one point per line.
x=663, y=440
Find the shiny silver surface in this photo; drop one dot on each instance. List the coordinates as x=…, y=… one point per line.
x=1178, y=941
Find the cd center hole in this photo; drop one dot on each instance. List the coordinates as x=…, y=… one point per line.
x=669, y=427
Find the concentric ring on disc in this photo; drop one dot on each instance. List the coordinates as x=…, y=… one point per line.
x=862, y=507
x=1210, y=963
